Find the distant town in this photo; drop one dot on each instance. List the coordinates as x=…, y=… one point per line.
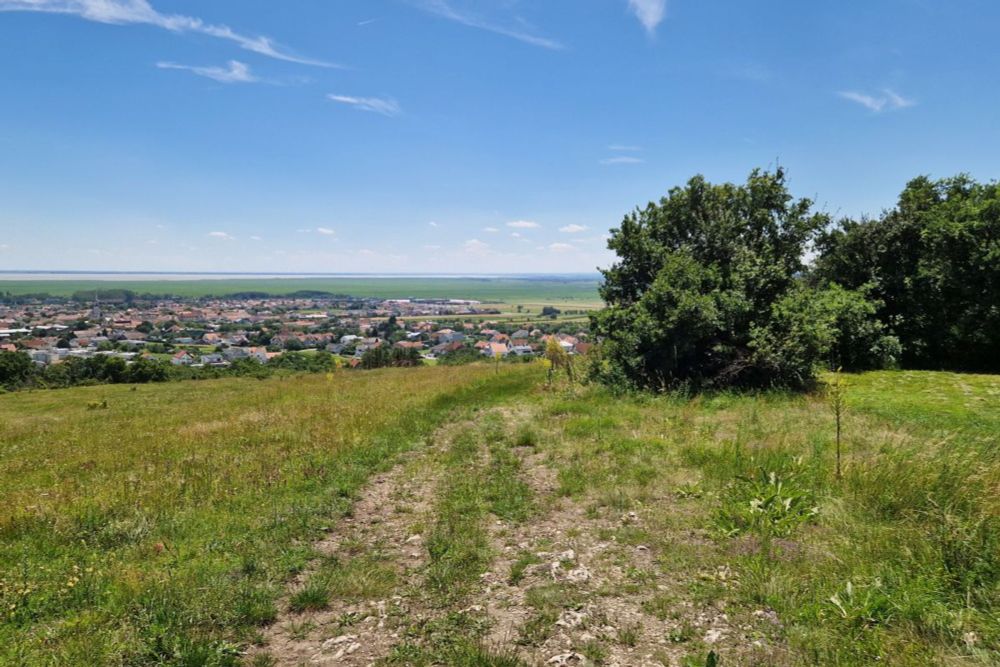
x=217, y=332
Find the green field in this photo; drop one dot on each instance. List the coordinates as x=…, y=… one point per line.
x=225, y=522
x=164, y=527
x=567, y=292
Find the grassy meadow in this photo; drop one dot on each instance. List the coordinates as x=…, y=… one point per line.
x=896, y=563
x=180, y=524
x=160, y=524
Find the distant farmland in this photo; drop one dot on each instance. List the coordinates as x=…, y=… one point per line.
x=569, y=291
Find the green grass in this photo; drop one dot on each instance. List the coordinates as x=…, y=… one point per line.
x=164, y=528
x=898, y=562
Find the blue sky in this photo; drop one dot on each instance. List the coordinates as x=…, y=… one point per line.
x=453, y=135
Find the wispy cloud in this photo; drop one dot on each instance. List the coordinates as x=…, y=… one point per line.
x=381, y=105
x=476, y=247
x=141, y=12
x=573, y=229
x=523, y=224
x=649, y=12
x=490, y=230
x=888, y=100
x=446, y=9
x=236, y=72
x=561, y=247
x=432, y=224
x=325, y=231
x=222, y=235
x=256, y=238
x=623, y=159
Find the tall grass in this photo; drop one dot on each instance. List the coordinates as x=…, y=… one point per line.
x=162, y=529
x=897, y=563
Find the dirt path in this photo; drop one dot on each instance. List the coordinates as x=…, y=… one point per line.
x=573, y=587
x=573, y=584
x=385, y=533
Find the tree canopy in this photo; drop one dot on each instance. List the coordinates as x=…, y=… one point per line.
x=708, y=292
x=932, y=263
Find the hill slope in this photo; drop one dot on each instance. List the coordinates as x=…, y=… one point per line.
x=451, y=516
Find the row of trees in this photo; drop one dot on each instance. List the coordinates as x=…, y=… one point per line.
x=711, y=287
x=18, y=371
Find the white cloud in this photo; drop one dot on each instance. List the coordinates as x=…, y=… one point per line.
x=573, y=229
x=432, y=224
x=384, y=106
x=649, y=12
x=889, y=100
x=141, y=12
x=515, y=235
x=523, y=224
x=561, y=247
x=432, y=247
x=897, y=101
x=624, y=148
x=222, y=235
x=622, y=159
x=237, y=72
x=325, y=231
x=490, y=230
x=4, y=246
x=256, y=238
x=446, y=9
x=476, y=246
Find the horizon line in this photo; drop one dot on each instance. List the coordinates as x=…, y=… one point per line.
x=318, y=274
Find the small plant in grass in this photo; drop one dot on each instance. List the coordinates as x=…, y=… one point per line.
x=263, y=660
x=526, y=436
x=594, y=651
x=863, y=606
x=311, y=598
x=683, y=633
x=661, y=605
x=770, y=503
x=691, y=490
x=628, y=635
x=520, y=567
x=710, y=660
x=836, y=392
x=537, y=629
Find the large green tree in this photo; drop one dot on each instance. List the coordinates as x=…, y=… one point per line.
x=933, y=265
x=704, y=290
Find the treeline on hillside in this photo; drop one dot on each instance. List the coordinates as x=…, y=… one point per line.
x=710, y=288
x=18, y=371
